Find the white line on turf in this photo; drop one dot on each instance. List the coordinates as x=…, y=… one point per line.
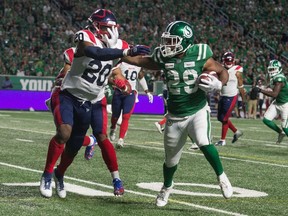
x=206, y=208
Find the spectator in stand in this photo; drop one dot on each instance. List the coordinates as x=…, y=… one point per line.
x=252, y=102
x=7, y=83
x=260, y=99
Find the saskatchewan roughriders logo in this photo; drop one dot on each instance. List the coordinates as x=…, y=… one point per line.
x=188, y=33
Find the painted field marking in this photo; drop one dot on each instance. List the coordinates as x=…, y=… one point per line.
x=24, y=140
x=206, y=208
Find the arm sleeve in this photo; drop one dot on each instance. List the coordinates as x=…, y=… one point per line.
x=103, y=54
x=143, y=83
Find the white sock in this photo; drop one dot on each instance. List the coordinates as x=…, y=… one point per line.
x=115, y=174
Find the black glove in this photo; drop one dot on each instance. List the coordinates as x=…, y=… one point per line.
x=137, y=50
x=257, y=89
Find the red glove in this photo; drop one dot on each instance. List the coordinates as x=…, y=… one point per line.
x=119, y=83
x=123, y=85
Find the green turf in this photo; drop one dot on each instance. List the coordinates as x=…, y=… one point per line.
x=254, y=162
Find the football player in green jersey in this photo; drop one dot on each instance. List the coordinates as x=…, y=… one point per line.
x=188, y=112
x=279, y=105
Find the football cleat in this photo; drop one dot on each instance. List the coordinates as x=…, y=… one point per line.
x=193, y=147
x=46, y=185
x=163, y=196
x=112, y=134
x=90, y=150
x=220, y=143
x=237, y=135
x=280, y=137
x=159, y=128
x=225, y=186
x=118, y=187
x=59, y=184
x=120, y=143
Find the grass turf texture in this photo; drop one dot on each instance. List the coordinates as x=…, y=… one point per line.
x=254, y=162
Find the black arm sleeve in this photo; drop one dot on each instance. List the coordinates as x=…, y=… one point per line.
x=103, y=54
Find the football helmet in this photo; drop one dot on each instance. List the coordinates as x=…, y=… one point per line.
x=228, y=59
x=100, y=20
x=274, y=68
x=176, y=39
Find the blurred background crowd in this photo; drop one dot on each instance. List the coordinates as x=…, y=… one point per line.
x=34, y=34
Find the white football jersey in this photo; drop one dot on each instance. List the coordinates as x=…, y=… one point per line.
x=231, y=87
x=130, y=72
x=87, y=77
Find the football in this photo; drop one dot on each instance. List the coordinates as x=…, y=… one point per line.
x=203, y=76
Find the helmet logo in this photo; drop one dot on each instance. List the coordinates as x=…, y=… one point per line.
x=187, y=32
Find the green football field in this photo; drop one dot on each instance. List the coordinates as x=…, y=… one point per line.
x=256, y=166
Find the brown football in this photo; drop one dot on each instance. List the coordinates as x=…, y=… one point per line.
x=204, y=76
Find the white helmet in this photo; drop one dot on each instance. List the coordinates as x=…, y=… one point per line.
x=274, y=68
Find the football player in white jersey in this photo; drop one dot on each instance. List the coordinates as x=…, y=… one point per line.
x=124, y=103
x=229, y=97
x=82, y=100
x=52, y=104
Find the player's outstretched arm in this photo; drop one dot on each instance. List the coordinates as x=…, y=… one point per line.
x=212, y=65
x=142, y=61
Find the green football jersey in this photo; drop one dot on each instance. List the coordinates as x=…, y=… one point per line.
x=109, y=93
x=283, y=94
x=185, y=98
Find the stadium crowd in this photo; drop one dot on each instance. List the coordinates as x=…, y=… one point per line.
x=34, y=33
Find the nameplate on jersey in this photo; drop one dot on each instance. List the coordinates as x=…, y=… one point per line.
x=169, y=65
x=189, y=64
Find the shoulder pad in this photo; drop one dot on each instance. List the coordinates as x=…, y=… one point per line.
x=87, y=36
x=239, y=68
x=203, y=51
x=69, y=55
x=279, y=78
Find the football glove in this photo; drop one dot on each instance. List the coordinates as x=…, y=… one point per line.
x=258, y=89
x=137, y=50
x=114, y=35
x=212, y=84
x=123, y=85
x=150, y=97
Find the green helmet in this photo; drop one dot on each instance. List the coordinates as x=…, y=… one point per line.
x=274, y=68
x=176, y=39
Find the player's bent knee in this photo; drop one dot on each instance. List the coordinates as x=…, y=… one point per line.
x=266, y=121
x=101, y=137
x=63, y=133
x=285, y=131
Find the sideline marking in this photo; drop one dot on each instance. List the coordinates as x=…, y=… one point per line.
x=24, y=140
x=133, y=192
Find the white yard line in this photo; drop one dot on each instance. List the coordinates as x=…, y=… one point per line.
x=130, y=191
x=24, y=140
